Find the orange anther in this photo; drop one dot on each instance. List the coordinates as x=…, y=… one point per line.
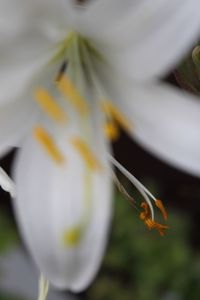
x=146, y=212
x=160, y=205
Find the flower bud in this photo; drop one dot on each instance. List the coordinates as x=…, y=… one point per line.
x=196, y=56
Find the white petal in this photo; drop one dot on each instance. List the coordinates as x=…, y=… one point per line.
x=17, y=76
x=145, y=39
x=18, y=16
x=13, y=284
x=19, y=64
x=18, y=117
x=51, y=199
x=165, y=121
x=16, y=120
x=28, y=39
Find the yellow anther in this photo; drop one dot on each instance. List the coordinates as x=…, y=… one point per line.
x=48, y=104
x=43, y=137
x=160, y=205
x=72, y=237
x=112, y=111
x=70, y=92
x=86, y=153
x=111, y=130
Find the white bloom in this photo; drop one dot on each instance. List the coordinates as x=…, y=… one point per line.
x=68, y=72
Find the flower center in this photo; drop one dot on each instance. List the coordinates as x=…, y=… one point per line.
x=77, y=87
x=77, y=75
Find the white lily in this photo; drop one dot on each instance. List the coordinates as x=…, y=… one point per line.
x=69, y=75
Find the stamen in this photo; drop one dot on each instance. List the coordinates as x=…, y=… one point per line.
x=145, y=216
x=48, y=104
x=161, y=228
x=134, y=181
x=146, y=213
x=123, y=191
x=153, y=225
x=160, y=205
x=86, y=153
x=111, y=130
x=72, y=237
x=70, y=92
x=43, y=137
x=112, y=111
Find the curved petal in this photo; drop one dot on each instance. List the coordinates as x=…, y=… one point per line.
x=144, y=39
x=18, y=16
x=165, y=121
x=16, y=120
x=29, y=32
x=18, y=117
x=53, y=200
x=16, y=77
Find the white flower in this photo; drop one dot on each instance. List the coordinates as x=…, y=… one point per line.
x=69, y=75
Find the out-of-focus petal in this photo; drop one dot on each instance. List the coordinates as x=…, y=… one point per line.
x=165, y=121
x=52, y=200
x=143, y=38
x=18, y=117
x=44, y=16
x=11, y=283
x=29, y=32
x=16, y=120
x=16, y=77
